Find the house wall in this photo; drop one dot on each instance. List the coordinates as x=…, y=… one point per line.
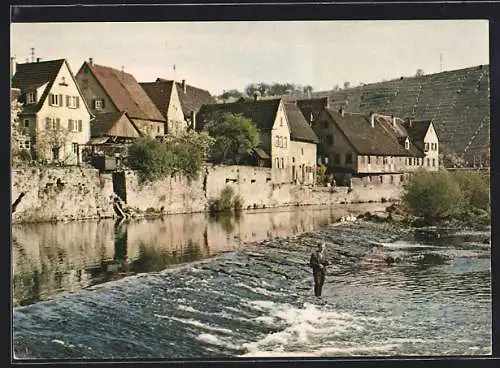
x=280, y=153
x=176, y=123
x=303, y=162
x=66, y=154
x=150, y=128
x=431, y=155
x=93, y=91
x=340, y=146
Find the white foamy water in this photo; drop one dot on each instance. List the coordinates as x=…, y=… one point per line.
x=308, y=329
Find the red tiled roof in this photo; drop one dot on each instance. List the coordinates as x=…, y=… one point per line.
x=160, y=93
x=126, y=93
x=382, y=139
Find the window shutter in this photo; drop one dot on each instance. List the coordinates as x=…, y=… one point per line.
x=70, y=124
x=80, y=125
x=58, y=123
x=51, y=99
x=68, y=100
x=47, y=123
x=77, y=102
x=61, y=100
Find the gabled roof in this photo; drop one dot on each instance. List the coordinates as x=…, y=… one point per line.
x=30, y=76
x=379, y=140
x=312, y=106
x=125, y=92
x=300, y=130
x=160, y=93
x=261, y=112
x=113, y=124
x=417, y=131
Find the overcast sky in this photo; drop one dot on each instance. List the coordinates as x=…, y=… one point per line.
x=223, y=55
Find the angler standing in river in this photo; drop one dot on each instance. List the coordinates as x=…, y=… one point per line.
x=318, y=263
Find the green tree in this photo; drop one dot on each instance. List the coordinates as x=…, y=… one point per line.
x=182, y=154
x=232, y=93
x=433, y=195
x=235, y=137
x=475, y=187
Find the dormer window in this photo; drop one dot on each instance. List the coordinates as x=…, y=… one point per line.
x=407, y=144
x=30, y=98
x=55, y=99
x=426, y=147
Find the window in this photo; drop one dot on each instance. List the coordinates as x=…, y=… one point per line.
x=426, y=147
x=329, y=139
x=73, y=102
x=282, y=163
x=401, y=178
x=369, y=160
x=80, y=126
x=406, y=160
x=98, y=104
x=51, y=123
x=26, y=123
x=55, y=99
x=30, y=98
x=384, y=160
x=392, y=179
x=74, y=147
x=302, y=151
x=277, y=141
x=407, y=144
x=326, y=160
x=72, y=126
x=277, y=162
x=362, y=159
x=348, y=158
x=293, y=159
x=435, y=146
x=25, y=145
x=280, y=141
x=433, y=162
x=336, y=159
x=378, y=160
x=281, y=121
x=428, y=162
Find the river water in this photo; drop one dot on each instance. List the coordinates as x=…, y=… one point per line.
x=190, y=286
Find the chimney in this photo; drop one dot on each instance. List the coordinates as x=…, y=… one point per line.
x=341, y=111
x=372, y=119
x=393, y=121
x=38, y=59
x=13, y=66
x=91, y=61
x=256, y=96
x=183, y=84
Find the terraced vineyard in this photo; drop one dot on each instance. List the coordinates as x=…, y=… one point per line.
x=458, y=101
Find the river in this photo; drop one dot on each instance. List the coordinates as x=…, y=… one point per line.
x=192, y=286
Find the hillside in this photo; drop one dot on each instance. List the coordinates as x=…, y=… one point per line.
x=458, y=101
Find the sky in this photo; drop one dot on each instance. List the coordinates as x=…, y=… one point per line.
x=219, y=56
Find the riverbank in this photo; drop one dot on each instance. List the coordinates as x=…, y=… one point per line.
x=52, y=194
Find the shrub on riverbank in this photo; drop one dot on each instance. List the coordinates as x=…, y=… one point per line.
x=434, y=196
x=227, y=202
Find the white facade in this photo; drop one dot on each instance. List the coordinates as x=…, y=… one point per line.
x=175, y=117
x=63, y=118
x=431, y=149
x=280, y=147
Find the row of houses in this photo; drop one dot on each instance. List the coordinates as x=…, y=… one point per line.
x=101, y=110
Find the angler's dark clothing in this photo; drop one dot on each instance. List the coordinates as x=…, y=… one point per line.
x=318, y=263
